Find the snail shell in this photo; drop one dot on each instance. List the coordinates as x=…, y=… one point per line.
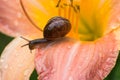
x=56, y=27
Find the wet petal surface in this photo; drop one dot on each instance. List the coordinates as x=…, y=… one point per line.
x=67, y=59
x=16, y=62
x=13, y=21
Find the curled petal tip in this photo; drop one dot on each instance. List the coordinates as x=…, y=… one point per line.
x=16, y=62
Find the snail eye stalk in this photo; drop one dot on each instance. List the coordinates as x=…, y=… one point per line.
x=27, y=43
x=26, y=40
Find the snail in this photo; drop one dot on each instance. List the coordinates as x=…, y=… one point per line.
x=57, y=27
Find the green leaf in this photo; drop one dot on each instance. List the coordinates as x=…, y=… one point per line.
x=34, y=75
x=4, y=40
x=115, y=73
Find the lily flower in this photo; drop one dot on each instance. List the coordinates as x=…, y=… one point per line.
x=89, y=51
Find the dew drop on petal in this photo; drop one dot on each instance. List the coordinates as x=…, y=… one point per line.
x=46, y=78
x=5, y=0
x=16, y=23
x=44, y=68
x=69, y=47
x=69, y=68
x=79, y=67
x=17, y=54
x=0, y=67
x=26, y=72
x=6, y=66
x=70, y=78
x=19, y=14
x=6, y=26
x=20, y=65
x=0, y=73
x=1, y=60
x=53, y=70
x=119, y=18
x=113, y=26
x=11, y=68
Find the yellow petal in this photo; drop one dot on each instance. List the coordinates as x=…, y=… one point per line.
x=40, y=10
x=89, y=18
x=16, y=62
x=94, y=16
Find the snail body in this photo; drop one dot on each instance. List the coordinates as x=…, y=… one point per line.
x=57, y=27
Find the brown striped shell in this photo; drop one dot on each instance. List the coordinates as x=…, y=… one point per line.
x=56, y=27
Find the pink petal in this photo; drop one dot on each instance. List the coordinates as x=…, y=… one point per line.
x=16, y=62
x=13, y=21
x=70, y=60
x=115, y=14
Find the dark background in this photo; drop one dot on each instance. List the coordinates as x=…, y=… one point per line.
x=114, y=75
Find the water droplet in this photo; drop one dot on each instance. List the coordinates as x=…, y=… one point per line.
x=11, y=68
x=79, y=67
x=0, y=67
x=1, y=60
x=70, y=78
x=26, y=72
x=46, y=78
x=5, y=0
x=20, y=65
x=69, y=68
x=6, y=66
x=53, y=70
x=16, y=23
x=69, y=47
x=19, y=15
x=6, y=25
x=16, y=54
x=113, y=26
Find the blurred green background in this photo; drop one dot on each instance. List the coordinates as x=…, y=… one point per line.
x=114, y=75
